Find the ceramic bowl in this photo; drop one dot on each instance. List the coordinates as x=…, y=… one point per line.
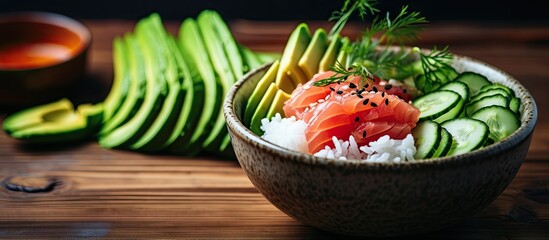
x=352, y=197
x=41, y=56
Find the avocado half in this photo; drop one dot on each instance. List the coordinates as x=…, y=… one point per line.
x=55, y=122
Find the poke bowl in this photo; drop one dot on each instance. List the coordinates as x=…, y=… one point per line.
x=361, y=198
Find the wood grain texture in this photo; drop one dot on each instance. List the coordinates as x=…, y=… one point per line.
x=104, y=193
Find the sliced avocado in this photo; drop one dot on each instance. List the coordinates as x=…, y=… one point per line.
x=136, y=89
x=315, y=51
x=34, y=116
x=278, y=103
x=155, y=92
x=220, y=62
x=263, y=108
x=120, y=85
x=193, y=100
x=267, y=57
x=330, y=55
x=289, y=74
x=250, y=58
x=229, y=44
x=342, y=55
x=55, y=122
x=192, y=47
x=259, y=92
x=162, y=127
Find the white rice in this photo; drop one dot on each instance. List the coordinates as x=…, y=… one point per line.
x=290, y=133
x=285, y=132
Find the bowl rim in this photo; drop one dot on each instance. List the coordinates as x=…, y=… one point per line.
x=70, y=24
x=529, y=118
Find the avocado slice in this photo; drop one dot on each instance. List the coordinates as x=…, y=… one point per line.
x=330, y=55
x=342, y=55
x=193, y=100
x=250, y=58
x=263, y=108
x=155, y=92
x=310, y=60
x=267, y=57
x=194, y=50
x=259, y=92
x=220, y=62
x=161, y=129
x=55, y=122
x=289, y=74
x=136, y=88
x=230, y=46
x=120, y=85
x=278, y=103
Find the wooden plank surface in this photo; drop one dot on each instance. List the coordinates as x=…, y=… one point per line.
x=100, y=193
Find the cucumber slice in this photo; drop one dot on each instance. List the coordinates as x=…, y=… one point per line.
x=495, y=100
x=436, y=104
x=514, y=105
x=427, y=138
x=491, y=92
x=458, y=87
x=501, y=121
x=453, y=113
x=498, y=86
x=467, y=134
x=463, y=90
x=445, y=143
x=474, y=81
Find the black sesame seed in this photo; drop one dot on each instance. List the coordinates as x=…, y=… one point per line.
x=374, y=89
x=331, y=88
x=373, y=104
x=382, y=94
x=365, y=101
x=365, y=86
x=388, y=87
x=404, y=90
x=387, y=101
x=359, y=91
x=357, y=119
x=339, y=92
x=364, y=134
x=352, y=85
x=360, y=96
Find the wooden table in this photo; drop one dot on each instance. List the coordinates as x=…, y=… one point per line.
x=99, y=193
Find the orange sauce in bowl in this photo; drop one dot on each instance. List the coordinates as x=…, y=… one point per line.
x=32, y=54
x=37, y=42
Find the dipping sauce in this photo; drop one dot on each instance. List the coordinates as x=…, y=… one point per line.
x=32, y=54
x=38, y=41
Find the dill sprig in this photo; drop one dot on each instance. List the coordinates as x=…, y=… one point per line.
x=436, y=68
x=341, y=17
x=341, y=74
x=403, y=28
x=374, y=54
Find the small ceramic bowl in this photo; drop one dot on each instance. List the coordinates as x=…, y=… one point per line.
x=380, y=199
x=41, y=56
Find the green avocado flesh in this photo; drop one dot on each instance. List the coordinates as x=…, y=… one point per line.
x=330, y=55
x=155, y=90
x=259, y=92
x=310, y=60
x=289, y=74
x=55, y=122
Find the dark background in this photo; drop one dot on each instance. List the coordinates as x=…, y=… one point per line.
x=513, y=12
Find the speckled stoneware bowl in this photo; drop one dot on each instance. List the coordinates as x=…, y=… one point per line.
x=380, y=199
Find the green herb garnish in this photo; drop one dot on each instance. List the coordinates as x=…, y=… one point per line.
x=341, y=17
x=341, y=74
x=436, y=69
x=376, y=53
